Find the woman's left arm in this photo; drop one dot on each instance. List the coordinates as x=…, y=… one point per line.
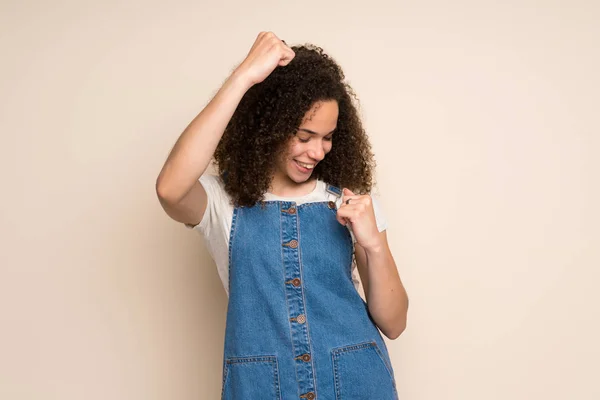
x=386, y=296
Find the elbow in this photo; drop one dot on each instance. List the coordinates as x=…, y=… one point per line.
x=395, y=331
x=393, y=335
x=399, y=326
x=161, y=190
x=164, y=192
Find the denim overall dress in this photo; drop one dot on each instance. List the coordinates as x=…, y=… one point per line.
x=296, y=326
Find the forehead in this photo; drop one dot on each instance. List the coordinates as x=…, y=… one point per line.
x=322, y=114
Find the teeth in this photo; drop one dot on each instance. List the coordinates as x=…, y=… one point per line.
x=309, y=166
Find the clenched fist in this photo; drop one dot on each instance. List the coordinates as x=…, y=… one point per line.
x=267, y=53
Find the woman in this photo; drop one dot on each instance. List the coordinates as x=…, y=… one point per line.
x=286, y=136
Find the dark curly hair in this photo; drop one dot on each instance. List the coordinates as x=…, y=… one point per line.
x=269, y=115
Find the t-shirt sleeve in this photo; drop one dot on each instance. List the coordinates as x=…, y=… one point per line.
x=215, y=196
x=215, y=225
x=379, y=215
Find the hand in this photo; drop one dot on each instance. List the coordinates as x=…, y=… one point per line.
x=267, y=52
x=359, y=215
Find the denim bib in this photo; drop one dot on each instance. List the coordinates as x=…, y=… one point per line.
x=296, y=326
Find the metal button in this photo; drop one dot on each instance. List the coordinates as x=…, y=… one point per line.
x=292, y=210
x=296, y=282
x=301, y=319
x=292, y=243
x=331, y=205
x=309, y=396
x=304, y=357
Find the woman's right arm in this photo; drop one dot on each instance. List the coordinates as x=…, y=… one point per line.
x=177, y=186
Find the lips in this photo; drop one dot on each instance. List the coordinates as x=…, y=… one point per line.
x=300, y=166
x=305, y=165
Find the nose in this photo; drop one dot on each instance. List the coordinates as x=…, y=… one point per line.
x=316, y=151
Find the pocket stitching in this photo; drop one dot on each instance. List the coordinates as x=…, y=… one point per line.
x=272, y=360
x=335, y=355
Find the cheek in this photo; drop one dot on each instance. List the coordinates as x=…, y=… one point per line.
x=295, y=149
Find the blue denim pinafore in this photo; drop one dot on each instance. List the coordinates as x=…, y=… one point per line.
x=296, y=326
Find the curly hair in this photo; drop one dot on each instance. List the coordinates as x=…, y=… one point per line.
x=269, y=115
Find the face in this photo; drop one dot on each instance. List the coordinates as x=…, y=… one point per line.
x=313, y=140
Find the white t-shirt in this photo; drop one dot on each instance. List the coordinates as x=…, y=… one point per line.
x=215, y=226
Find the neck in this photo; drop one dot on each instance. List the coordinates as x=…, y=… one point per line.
x=285, y=187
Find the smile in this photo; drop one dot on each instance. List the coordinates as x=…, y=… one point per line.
x=304, y=165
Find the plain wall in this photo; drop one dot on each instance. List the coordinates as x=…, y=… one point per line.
x=484, y=120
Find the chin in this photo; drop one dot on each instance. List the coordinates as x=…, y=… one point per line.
x=299, y=179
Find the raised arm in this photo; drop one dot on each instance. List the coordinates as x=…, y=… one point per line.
x=177, y=186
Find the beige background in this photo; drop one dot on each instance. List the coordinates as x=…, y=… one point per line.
x=484, y=120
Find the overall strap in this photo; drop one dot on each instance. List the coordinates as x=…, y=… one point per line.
x=335, y=193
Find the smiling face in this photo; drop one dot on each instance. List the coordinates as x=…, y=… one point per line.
x=310, y=144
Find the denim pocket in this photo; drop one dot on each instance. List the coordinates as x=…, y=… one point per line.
x=361, y=373
x=251, y=378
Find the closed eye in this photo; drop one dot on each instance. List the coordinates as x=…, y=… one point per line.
x=328, y=139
